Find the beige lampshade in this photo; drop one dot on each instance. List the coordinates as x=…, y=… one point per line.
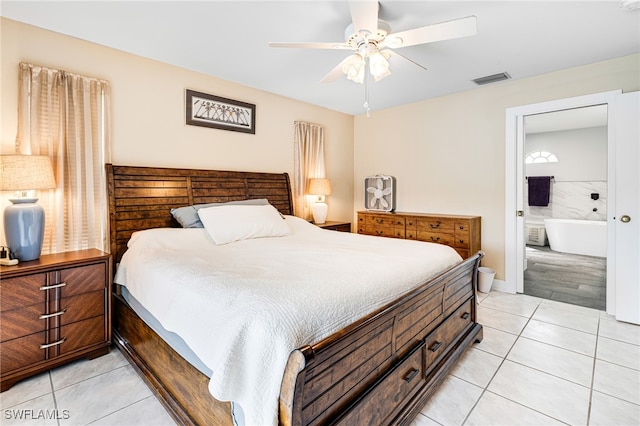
x=319, y=186
x=26, y=172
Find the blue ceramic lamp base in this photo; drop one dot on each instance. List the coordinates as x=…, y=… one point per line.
x=24, y=228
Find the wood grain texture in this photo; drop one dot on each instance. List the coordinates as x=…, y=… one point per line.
x=458, y=231
x=61, y=301
x=374, y=371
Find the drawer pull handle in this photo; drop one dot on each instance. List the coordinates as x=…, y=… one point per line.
x=411, y=375
x=434, y=227
x=465, y=315
x=59, y=342
x=435, y=346
x=56, y=314
x=380, y=221
x=435, y=239
x=50, y=287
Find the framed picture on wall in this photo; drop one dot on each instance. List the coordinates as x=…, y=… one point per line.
x=217, y=112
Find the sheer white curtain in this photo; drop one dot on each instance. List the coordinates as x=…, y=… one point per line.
x=66, y=117
x=308, y=163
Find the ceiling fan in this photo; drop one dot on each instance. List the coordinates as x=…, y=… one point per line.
x=372, y=42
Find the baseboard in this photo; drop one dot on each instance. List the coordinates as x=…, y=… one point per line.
x=501, y=285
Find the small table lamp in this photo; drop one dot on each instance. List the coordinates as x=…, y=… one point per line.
x=319, y=187
x=24, y=219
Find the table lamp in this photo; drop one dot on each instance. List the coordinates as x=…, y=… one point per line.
x=319, y=187
x=24, y=219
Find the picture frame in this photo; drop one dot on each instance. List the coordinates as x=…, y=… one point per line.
x=205, y=110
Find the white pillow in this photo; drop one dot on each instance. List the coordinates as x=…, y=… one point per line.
x=226, y=224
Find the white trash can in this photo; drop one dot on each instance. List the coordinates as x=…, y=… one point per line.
x=485, y=279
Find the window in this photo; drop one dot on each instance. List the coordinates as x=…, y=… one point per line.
x=538, y=157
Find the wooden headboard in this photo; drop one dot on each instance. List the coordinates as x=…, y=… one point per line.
x=142, y=197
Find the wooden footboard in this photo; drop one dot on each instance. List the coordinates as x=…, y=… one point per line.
x=382, y=369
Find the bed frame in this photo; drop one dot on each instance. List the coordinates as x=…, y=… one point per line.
x=379, y=370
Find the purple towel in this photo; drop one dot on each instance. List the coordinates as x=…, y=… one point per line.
x=539, y=189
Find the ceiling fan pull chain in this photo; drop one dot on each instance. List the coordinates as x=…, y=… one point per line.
x=366, y=94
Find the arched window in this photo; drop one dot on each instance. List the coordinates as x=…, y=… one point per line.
x=538, y=157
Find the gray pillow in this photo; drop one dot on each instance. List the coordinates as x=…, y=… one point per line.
x=187, y=216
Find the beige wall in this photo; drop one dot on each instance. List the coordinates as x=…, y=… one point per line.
x=149, y=117
x=448, y=153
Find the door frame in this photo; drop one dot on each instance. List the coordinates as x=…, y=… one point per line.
x=514, y=185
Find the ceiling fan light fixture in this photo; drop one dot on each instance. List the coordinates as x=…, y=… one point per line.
x=353, y=68
x=379, y=65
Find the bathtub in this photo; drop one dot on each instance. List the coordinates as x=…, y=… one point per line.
x=587, y=237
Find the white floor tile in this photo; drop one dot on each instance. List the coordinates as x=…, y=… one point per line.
x=553, y=360
x=146, y=412
x=607, y=410
x=26, y=390
x=567, y=318
x=615, y=380
x=102, y=395
x=496, y=342
x=563, y=337
x=501, y=320
x=547, y=394
x=511, y=303
x=86, y=368
x=40, y=411
x=477, y=367
x=494, y=410
x=618, y=330
x=582, y=310
x=452, y=402
x=617, y=352
x=422, y=420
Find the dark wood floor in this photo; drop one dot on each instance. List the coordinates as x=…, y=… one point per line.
x=569, y=278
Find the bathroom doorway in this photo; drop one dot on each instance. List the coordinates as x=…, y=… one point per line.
x=565, y=205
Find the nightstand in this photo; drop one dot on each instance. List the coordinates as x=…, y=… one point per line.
x=54, y=310
x=336, y=226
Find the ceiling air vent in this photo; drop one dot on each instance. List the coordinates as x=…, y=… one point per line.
x=491, y=78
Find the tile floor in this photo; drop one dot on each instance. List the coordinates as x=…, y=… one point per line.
x=541, y=362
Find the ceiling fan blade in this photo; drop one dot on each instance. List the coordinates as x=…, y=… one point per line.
x=364, y=15
x=305, y=45
x=456, y=28
x=335, y=73
x=393, y=53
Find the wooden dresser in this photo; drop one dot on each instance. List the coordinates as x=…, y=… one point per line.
x=54, y=310
x=460, y=232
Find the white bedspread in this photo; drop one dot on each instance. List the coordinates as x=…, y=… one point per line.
x=244, y=307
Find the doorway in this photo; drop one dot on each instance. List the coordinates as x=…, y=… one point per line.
x=515, y=243
x=565, y=188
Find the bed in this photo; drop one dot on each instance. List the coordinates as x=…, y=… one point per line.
x=379, y=368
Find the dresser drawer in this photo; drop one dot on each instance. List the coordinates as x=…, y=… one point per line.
x=380, y=231
x=462, y=234
x=82, y=306
x=82, y=334
x=21, y=291
x=437, y=343
x=21, y=322
x=82, y=279
x=398, y=385
x=440, y=225
x=22, y=352
x=435, y=237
